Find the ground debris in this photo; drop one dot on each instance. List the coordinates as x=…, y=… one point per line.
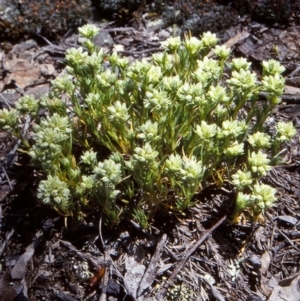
x=18, y=271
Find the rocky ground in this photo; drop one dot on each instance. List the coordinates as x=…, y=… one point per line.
x=200, y=257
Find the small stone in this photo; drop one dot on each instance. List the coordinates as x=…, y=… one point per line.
x=288, y=219
x=163, y=34
x=103, y=39
x=47, y=69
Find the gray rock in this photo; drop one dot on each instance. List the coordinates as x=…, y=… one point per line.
x=103, y=40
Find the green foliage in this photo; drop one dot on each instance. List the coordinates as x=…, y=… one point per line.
x=135, y=139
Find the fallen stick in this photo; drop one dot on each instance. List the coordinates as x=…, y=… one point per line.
x=163, y=291
x=93, y=260
x=150, y=272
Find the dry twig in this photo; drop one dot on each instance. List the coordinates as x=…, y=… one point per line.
x=163, y=291
x=95, y=261
x=150, y=274
x=290, y=242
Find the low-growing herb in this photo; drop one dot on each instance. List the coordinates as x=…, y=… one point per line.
x=141, y=138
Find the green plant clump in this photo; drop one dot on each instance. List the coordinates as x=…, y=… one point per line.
x=135, y=139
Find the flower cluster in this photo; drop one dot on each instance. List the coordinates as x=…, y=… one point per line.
x=188, y=171
x=9, y=119
x=56, y=193
x=27, y=105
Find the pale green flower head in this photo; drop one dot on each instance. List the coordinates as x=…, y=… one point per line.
x=172, y=43
x=50, y=140
x=232, y=128
x=92, y=99
x=117, y=157
x=157, y=101
x=89, y=158
x=154, y=75
x=86, y=185
x=217, y=94
x=63, y=84
x=272, y=67
x=106, y=79
x=56, y=122
x=50, y=134
x=118, y=113
x=172, y=83
x=113, y=193
x=148, y=131
x=159, y=58
x=145, y=154
x=209, y=66
x=242, y=81
x=285, y=131
x=206, y=131
x=95, y=60
x=184, y=93
x=201, y=76
x=121, y=62
x=193, y=45
x=259, y=163
x=53, y=103
x=121, y=86
x=259, y=140
x=39, y=156
x=113, y=58
x=173, y=163
x=47, y=149
x=221, y=111
x=76, y=56
x=88, y=31
x=222, y=52
x=54, y=192
x=191, y=93
x=9, y=118
x=28, y=104
x=74, y=172
x=273, y=84
x=192, y=170
x=164, y=60
x=138, y=70
x=264, y=196
x=209, y=39
x=235, y=150
x=242, y=178
x=242, y=201
x=141, y=66
x=240, y=63
x=108, y=171
x=70, y=70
